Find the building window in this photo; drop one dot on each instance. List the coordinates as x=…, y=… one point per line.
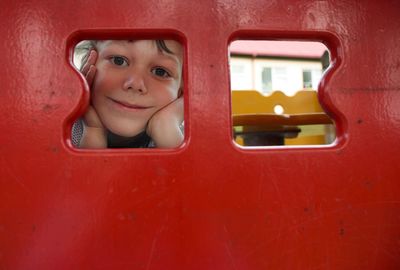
x=266, y=80
x=307, y=79
x=311, y=78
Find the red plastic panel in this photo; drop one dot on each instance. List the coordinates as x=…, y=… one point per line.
x=207, y=205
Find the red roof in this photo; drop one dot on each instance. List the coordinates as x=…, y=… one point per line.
x=278, y=48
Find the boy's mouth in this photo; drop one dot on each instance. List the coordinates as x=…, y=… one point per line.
x=129, y=105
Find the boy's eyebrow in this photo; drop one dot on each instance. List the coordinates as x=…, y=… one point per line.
x=171, y=56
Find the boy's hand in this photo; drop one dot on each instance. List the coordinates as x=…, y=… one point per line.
x=163, y=127
x=94, y=135
x=89, y=69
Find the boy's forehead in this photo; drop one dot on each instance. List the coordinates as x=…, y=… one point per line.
x=174, y=46
x=102, y=44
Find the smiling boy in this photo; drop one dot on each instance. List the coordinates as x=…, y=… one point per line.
x=135, y=94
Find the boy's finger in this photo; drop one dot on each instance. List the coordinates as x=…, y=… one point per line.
x=92, y=119
x=92, y=57
x=91, y=60
x=85, y=68
x=90, y=75
x=177, y=104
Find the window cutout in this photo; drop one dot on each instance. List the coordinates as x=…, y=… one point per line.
x=274, y=88
x=136, y=94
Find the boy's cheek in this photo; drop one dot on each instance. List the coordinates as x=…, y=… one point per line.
x=99, y=82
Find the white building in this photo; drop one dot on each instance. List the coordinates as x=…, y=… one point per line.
x=267, y=66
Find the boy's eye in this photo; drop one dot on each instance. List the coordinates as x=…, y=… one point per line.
x=119, y=60
x=160, y=72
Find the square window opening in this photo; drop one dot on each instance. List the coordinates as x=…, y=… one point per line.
x=135, y=97
x=274, y=88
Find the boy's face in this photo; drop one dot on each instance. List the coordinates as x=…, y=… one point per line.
x=134, y=80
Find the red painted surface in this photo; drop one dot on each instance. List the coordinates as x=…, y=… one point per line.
x=207, y=205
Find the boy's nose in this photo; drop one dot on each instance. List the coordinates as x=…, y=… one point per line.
x=135, y=83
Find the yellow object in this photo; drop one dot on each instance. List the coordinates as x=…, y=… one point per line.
x=252, y=101
x=252, y=105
